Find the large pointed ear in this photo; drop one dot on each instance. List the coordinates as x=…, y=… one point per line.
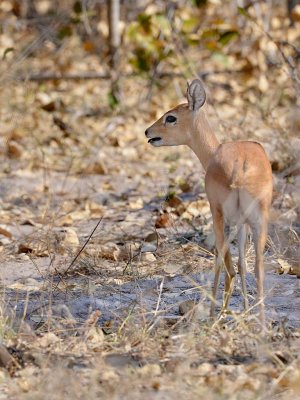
x=196, y=95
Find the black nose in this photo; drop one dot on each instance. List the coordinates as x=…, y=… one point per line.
x=146, y=132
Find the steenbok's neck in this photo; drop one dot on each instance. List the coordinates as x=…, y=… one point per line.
x=202, y=139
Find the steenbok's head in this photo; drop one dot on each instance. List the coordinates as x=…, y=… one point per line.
x=175, y=126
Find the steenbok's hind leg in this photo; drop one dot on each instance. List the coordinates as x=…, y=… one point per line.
x=242, y=240
x=229, y=279
x=259, y=231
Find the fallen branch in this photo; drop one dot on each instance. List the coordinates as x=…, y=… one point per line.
x=53, y=76
x=56, y=76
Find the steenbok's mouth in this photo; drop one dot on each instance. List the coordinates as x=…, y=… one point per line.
x=153, y=140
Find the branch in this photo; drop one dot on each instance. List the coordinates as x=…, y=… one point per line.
x=53, y=76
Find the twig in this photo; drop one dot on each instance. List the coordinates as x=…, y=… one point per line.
x=52, y=76
x=83, y=247
x=89, y=75
x=158, y=303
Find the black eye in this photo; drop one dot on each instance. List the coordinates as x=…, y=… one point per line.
x=170, y=118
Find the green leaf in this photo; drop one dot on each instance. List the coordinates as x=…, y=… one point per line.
x=112, y=100
x=65, y=31
x=6, y=51
x=142, y=60
x=163, y=23
x=190, y=24
x=199, y=3
x=77, y=7
x=243, y=12
x=227, y=37
x=210, y=33
x=221, y=58
x=145, y=22
x=193, y=39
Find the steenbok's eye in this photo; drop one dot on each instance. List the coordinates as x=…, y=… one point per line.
x=170, y=119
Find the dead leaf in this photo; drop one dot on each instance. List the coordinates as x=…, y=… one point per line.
x=148, y=257
x=89, y=46
x=69, y=238
x=93, y=318
x=25, y=248
x=95, y=209
x=66, y=220
x=151, y=237
x=109, y=251
x=263, y=84
x=172, y=269
x=48, y=339
x=97, y=167
x=177, y=204
x=5, y=232
x=94, y=337
x=196, y=209
x=296, y=13
x=185, y=186
x=295, y=270
x=284, y=266
x=164, y=221
x=136, y=204
x=27, y=284
x=14, y=150
x=150, y=370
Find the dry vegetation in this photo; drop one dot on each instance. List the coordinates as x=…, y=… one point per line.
x=113, y=312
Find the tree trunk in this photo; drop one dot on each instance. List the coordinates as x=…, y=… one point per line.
x=114, y=30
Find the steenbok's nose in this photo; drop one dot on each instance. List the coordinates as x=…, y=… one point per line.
x=146, y=132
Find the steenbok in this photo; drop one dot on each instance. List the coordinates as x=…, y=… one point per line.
x=238, y=184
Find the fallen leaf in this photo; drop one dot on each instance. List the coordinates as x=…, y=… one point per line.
x=136, y=204
x=5, y=232
x=164, y=221
x=94, y=337
x=110, y=251
x=148, y=257
x=284, y=266
x=70, y=238
x=172, y=269
x=150, y=370
x=48, y=339
x=97, y=167
x=95, y=209
x=177, y=204
x=14, y=150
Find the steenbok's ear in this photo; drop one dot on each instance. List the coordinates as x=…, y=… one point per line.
x=195, y=95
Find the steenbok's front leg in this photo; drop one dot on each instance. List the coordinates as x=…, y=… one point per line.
x=223, y=258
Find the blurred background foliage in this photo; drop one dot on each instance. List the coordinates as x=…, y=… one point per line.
x=258, y=41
